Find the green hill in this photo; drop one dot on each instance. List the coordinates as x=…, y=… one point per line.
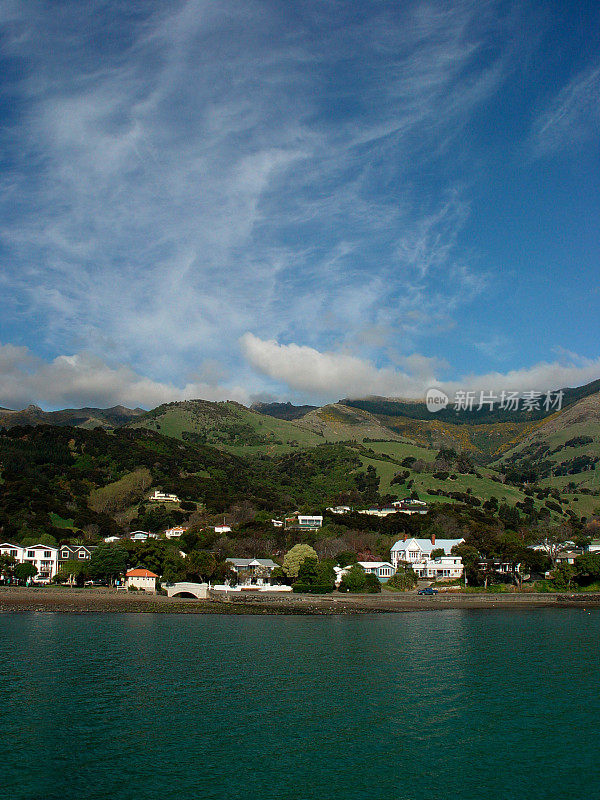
x=227, y=425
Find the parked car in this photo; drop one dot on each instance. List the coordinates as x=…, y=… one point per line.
x=427, y=590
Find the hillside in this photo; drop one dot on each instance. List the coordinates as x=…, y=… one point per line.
x=564, y=451
x=227, y=425
x=77, y=417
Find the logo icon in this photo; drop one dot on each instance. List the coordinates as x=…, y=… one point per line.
x=436, y=400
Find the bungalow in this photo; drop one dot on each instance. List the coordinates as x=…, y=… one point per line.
x=138, y=536
x=222, y=529
x=304, y=522
x=593, y=546
x=383, y=569
x=161, y=497
x=379, y=512
x=142, y=579
x=410, y=506
x=175, y=533
x=252, y=571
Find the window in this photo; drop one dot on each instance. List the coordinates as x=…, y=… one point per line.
x=47, y=554
x=64, y=554
x=31, y=554
x=82, y=554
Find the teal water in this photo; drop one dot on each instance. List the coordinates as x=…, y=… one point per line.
x=451, y=704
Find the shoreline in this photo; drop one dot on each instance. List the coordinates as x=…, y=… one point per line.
x=105, y=600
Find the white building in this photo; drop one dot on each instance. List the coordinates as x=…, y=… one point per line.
x=417, y=553
x=412, y=551
x=175, y=533
x=142, y=579
x=593, y=546
x=161, y=497
x=138, y=536
x=44, y=558
x=378, y=512
x=445, y=567
x=222, y=529
x=306, y=521
x=339, y=509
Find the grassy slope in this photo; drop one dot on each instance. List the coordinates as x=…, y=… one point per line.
x=229, y=426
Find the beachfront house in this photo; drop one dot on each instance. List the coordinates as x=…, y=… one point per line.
x=74, y=552
x=141, y=578
x=252, y=571
x=382, y=569
x=417, y=553
x=412, y=551
x=440, y=568
x=44, y=558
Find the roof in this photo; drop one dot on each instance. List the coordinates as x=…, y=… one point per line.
x=252, y=562
x=140, y=573
x=426, y=544
x=374, y=564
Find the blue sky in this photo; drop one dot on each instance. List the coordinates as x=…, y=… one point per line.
x=296, y=200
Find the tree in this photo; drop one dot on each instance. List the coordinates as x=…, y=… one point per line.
x=278, y=576
x=404, y=579
x=307, y=571
x=588, y=567
x=200, y=565
x=294, y=558
x=73, y=571
x=356, y=580
x=7, y=567
x=563, y=576
x=108, y=562
x=438, y=552
x=552, y=541
x=25, y=571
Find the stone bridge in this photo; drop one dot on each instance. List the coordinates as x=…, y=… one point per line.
x=197, y=590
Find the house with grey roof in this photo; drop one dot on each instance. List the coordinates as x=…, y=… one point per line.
x=252, y=571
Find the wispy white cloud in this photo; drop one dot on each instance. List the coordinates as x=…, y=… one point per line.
x=571, y=117
x=200, y=171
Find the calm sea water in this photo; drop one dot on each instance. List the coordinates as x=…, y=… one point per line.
x=451, y=704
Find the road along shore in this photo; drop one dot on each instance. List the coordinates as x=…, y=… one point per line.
x=67, y=599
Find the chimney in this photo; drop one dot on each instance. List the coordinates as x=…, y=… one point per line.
x=405, y=537
x=433, y=538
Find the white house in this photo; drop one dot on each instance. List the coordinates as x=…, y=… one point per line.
x=161, y=497
x=378, y=512
x=175, y=533
x=142, y=579
x=138, y=536
x=412, y=551
x=410, y=506
x=383, y=569
x=44, y=557
x=445, y=567
x=339, y=509
x=309, y=521
x=222, y=529
x=593, y=546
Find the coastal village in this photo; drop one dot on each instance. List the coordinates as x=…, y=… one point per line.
x=421, y=562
